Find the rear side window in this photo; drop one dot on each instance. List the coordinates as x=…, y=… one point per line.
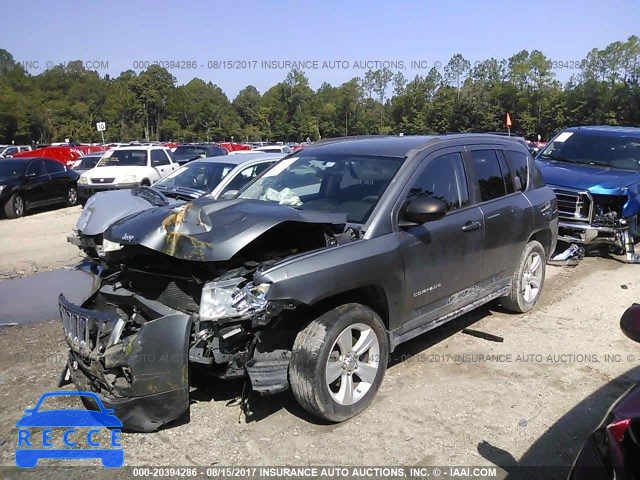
x=506, y=174
x=53, y=167
x=443, y=178
x=490, y=177
x=520, y=165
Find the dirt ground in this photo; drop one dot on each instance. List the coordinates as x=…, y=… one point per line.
x=37, y=242
x=530, y=395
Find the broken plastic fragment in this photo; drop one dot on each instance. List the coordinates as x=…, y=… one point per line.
x=570, y=252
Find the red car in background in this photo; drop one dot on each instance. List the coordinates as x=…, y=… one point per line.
x=232, y=147
x=66, y=155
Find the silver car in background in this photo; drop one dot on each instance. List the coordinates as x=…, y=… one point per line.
x=211, y=176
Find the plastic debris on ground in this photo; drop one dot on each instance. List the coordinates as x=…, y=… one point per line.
x=571, y=256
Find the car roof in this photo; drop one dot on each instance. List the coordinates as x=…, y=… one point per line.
x=399, y=146
x=199, y=145
x=612, y=130
x=27, y=159
x=238, y=159
x=139, y=147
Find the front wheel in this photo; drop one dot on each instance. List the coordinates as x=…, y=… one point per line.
x=14, y=207
x=528, y=279
x=338, y=362
x=72, y=197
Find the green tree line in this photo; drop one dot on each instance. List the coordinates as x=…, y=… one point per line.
x=66, y=101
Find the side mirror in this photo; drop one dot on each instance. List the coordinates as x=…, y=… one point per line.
x=229, y=194
x=422, y=210
x=630, y=322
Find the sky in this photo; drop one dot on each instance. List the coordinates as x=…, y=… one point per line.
x=227, y=42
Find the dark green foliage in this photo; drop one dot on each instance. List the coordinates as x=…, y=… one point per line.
x=66, y=101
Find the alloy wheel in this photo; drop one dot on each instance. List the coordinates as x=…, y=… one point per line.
x=532, y=277
x=353, y=364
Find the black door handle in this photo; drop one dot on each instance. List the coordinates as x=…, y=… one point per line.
x=469, y=226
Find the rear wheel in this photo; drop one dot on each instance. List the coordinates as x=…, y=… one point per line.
x=528, y=279
x=14, y=207
x=338, y=362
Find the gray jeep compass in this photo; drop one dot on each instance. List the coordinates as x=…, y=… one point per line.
x=312, y=274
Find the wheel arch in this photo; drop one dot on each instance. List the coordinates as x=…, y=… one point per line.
x=546, y=238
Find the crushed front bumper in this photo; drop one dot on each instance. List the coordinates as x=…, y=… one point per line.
x=142, y=375
x=91, y=245
x=584, y=233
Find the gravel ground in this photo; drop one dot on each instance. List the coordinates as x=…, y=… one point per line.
x=450, y=397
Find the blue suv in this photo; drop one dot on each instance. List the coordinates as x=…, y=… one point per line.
x=595, y=173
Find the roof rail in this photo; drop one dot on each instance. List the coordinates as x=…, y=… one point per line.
x=324, y=141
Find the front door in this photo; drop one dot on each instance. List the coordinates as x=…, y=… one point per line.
x=443, y=258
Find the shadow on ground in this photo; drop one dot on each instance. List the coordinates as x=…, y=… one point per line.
x=552, y=455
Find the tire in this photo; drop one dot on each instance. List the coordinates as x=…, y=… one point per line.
x=145, y=183
x=15, y=206
x=72, y=197
x=527, y=282
x=317, y=351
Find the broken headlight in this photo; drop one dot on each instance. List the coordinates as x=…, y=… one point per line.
x=225, y=299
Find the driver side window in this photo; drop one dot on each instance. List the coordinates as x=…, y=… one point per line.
x=443, y=178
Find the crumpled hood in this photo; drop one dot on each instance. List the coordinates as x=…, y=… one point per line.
x=595, y=179
x=104, y=208
x=208, y=230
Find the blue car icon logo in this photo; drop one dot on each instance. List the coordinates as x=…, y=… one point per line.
x=31, y=447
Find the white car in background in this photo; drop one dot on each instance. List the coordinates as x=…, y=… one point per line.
x=8, y=150
x=126, y=167
x=285, y=149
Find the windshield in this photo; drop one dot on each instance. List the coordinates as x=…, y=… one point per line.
x=594, y=149
x=327, y=183
x=9, y=168
x=198, y=176
x=88, y=163
x=190, y=150
x=127, y=158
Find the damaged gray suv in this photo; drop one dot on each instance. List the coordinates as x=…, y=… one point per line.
x=312, y=274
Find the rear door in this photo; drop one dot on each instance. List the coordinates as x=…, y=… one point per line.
x=37, y=189
x=443, y=258
x=58, y=182
x=503, y=213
